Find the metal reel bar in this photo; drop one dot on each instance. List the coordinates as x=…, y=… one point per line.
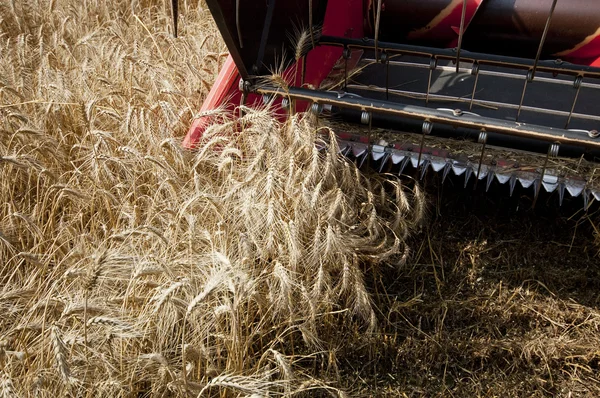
x=462, y=119
x=555, y=66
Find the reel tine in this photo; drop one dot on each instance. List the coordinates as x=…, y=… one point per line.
x=577, y=85
x=346, y=151
x=303, y=75
x=432, y=67
x=426, y=129
x=370, y=122
x=475, y=72
x=364, y=157
x=527, y=80
x=543, y=39
x=586, y=199
x=460, y=34
x=384, y=161
x=482, y=139
x=386, y=58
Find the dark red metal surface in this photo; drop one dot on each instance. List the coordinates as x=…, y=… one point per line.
x=434, y=22
x=225, y=90
x=515, y=27
x=506, y=27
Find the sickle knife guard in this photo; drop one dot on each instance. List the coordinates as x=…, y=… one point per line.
x=501, y=76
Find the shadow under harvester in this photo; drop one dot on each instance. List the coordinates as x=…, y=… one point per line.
x=498, y=299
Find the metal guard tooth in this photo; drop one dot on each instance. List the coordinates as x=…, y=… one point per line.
x=483, y=171
x=447, y=169
x=425, y=166
x=377, y=155
x=359, y=149
x=490, y=178
x=526, y=182
x=575, y=190
x=438, y=164
x=403, y=164
x=458, y=169
x=414, y=161
x=550, y=178
x=576, y=186
x=502, y=178
x=468, y=174
x=512, y=183
x=561, y=193
x=386, y=157
x=377, y=149
x=397, y=158
x=550, y=186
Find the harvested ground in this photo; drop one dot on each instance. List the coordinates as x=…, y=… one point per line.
x=255, y=266
x=499, y=300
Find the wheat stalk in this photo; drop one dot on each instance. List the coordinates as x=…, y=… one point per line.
x=60, y=356
x=133, y=248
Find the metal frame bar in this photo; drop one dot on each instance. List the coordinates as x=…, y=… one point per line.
x=448, y=53
x=485, y=103
x=265, y=34
x=485, y=72
x=470, y=121
x=234, y=51
x=237, y=23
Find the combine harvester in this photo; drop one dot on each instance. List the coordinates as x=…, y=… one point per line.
x=505, y=90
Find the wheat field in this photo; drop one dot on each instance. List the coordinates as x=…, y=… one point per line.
x=257, y=265
x=133, y=267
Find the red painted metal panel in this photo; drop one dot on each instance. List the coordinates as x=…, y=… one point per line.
x=342, y=18
x=224, y=90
